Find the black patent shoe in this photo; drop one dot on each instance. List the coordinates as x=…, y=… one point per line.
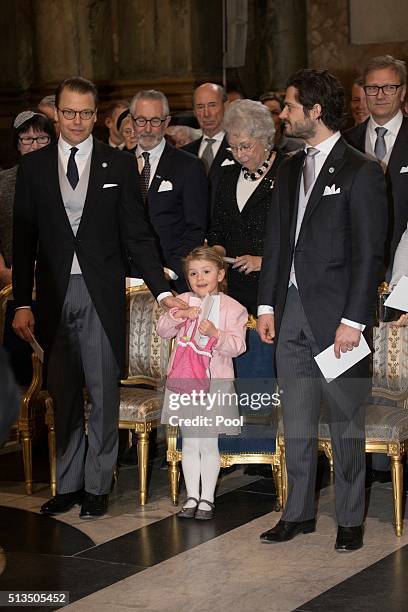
x=188, y=512
x=62, y=502
x=94, y=506
x=349, y=538
x=287, y=530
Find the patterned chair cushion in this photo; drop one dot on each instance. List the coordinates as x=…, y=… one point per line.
x=252, y=439
x=148, y=354
x=136, y=404
x=383, y=424
x=390, y=360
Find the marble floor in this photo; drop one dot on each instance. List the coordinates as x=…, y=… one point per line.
x=144, y=558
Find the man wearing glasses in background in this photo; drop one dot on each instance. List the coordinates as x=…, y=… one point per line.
x=77, y=213
x=384, y=136
x=173, y=184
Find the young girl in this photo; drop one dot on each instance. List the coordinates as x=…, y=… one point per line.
x=226, y=323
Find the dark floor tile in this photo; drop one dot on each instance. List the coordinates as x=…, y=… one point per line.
x=381, y=586
x=28, y=532
x=171, y=536
x=81, y=577
x=266, y=486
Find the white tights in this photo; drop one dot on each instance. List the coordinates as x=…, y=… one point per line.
x=200, y=458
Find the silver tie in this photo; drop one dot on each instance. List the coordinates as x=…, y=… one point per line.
x=309, y=168
x=208, y=154
x=380, y=148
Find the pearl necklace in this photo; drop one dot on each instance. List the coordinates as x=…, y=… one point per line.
x=254, y=176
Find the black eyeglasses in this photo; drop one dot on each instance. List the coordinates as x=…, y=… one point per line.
x=70, y=114
x=388, y=90
x=28, y=140
x=154, y=121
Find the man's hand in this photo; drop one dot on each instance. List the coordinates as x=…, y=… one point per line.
x=266, y=328
x=402, y=321
x=23, y=323
x=173, y=302
x=346, y=339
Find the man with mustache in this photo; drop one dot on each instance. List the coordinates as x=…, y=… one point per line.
x=173, y=183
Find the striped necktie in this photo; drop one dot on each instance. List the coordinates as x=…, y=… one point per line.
x=145, y=175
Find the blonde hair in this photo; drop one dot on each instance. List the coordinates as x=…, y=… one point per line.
x=204, y=253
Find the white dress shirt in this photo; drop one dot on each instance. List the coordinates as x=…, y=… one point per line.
x=219, y=137
x=154, y=158
x=324, y=149
x=244, y=190
x=81, y=156
x=393, y=127
x=400, y=265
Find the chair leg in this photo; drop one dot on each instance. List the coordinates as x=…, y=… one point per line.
x=174, y=478
x=52, y=447
x=143, y=455
x=397, y=479
x=27, y=460
x=276, y=471
x=284, y=478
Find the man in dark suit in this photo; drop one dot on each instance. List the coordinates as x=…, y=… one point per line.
x=173, y=183
x=323, y=248
x=384, y=136
x=78, y=212
x=212, y=147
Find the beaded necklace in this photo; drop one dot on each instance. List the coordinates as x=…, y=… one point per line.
x=254, y=176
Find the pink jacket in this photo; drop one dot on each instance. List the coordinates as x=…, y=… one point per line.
x=231, y=343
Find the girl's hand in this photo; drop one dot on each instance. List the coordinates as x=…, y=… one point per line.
x=207, y=328
x=187, y=313
x=248, y=263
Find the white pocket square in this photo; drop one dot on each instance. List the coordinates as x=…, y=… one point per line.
x=404, y=169
x=331, y=190
x=166, y=186
x=228, y=162
x=107, y=185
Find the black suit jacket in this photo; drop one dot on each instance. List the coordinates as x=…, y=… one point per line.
x=113, y=228
x=242, y=233
x=340, y=245
x=216, y=169
x=397, y=182
x=179, y=215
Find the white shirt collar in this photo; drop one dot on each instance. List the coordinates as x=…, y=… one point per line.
x=326, y=145
x=393, y=125
x=219, y=136
x=156, y=152
x=84, y=147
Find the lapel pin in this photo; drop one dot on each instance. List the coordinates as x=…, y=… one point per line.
x=104, y=165
x=331, y=169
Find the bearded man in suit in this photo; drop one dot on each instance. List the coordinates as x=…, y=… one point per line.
x=78, y=221
x=323, y=249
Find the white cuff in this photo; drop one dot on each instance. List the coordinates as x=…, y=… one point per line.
x=163, y=295
x=359, y=326
x=21, y=307
x=263, y=309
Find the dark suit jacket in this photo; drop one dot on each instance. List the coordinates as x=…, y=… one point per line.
x=179, y=216
x=242, y=233
x=216, y=169
x=113, y=228
x=340, y=244
x=397, y=182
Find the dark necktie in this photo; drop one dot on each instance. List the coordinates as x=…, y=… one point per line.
x=208, y=154
x=380, y=148
x=309, y=168
x=145, y=175
x=72, y=169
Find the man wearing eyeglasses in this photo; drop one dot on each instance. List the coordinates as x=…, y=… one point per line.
x=173, y=184
x=384, y=136
x=78, y=219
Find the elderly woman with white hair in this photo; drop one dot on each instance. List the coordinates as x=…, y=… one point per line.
x=242, y=202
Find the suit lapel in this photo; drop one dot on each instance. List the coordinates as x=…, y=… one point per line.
x=332, y=165
x=295, y=171
x=53, y=182
x=163, y=170
x=399, y=153
x=100, y=162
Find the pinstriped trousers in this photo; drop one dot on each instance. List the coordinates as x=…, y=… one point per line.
x=82, y=354
x=304, y=392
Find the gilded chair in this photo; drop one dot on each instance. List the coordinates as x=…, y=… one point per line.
x=386, y=426
x=31, y=398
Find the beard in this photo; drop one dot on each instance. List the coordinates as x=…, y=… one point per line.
x=301, y=129
x=148, y=140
